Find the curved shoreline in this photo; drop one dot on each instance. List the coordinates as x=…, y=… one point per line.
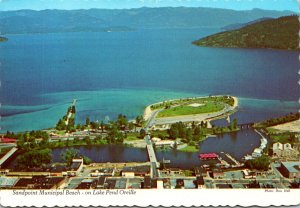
x=148, y=112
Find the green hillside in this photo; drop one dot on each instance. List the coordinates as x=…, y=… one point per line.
x=281, y=33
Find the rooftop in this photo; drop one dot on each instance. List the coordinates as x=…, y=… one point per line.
x=7, y=182
x=145, y=168
x=292, y=166
x=38, y=182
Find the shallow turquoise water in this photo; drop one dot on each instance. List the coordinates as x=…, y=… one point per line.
x=112, y=73
x=107, y=104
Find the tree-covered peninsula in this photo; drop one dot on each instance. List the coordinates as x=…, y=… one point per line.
x=3, y=39
x=280, y=33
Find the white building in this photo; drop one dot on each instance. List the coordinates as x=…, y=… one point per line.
x=277, y=149
x=284, y=150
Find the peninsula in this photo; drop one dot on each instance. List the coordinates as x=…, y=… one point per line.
x=3, y=39
x=281, y=33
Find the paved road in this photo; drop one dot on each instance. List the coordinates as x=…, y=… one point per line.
x=190, y=118
x=152, y=118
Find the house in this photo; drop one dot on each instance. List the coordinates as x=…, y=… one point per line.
x=290, y=169
x=284, y=150
x=288, y=151
x=277, y=149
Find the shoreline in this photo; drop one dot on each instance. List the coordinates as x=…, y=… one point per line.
x=148, y=113
x=292, y=126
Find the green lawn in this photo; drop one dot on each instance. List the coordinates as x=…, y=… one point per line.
x=189, y=149
x=132, y=136
x=209, y=107
x=186, y=101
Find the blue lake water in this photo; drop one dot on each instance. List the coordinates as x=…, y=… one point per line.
x=122, y=72
x=237, y=145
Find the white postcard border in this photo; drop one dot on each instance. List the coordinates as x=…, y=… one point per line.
x=143, y=198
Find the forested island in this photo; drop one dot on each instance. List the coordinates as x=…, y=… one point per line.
x=280, y=33
x=3, y=39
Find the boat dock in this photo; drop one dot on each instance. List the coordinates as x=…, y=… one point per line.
x=229, y=160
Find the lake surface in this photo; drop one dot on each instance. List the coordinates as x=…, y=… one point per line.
x=122, y=72
x=237, y=145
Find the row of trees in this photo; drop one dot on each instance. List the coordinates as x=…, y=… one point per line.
x=276, y=121
x=39, y=158
x=27, y=135
x=62, y=123
x=68, y=155
x=34, y=158
x=189, y=135
x=260, y=163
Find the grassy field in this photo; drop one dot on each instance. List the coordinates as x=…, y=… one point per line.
x=209, y=107
x=201, y=100
x=189, y=149
x=132, y=136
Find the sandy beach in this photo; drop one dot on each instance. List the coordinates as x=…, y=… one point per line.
x=293, y=126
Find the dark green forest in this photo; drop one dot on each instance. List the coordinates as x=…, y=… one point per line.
x=281, y=33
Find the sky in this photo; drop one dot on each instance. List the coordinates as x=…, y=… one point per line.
x=121, y=4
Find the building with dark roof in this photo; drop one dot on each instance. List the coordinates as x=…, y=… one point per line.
x=110, y=184
x=136, y=171
x=224, y=186
x=87, y=184
x=290, y=169
x=101, y=182
x=147, y=182
x=40, y=182
x=75, y=168
x=200, y=182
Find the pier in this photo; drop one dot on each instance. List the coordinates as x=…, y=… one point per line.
x=70, y=112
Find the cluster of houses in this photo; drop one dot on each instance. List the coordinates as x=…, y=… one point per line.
x=284, y=150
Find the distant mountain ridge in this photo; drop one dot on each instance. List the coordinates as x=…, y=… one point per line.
x=240, y=25
x=45, y=21
x=280, y=33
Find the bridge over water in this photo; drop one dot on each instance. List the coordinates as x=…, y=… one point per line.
x=153, y=161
